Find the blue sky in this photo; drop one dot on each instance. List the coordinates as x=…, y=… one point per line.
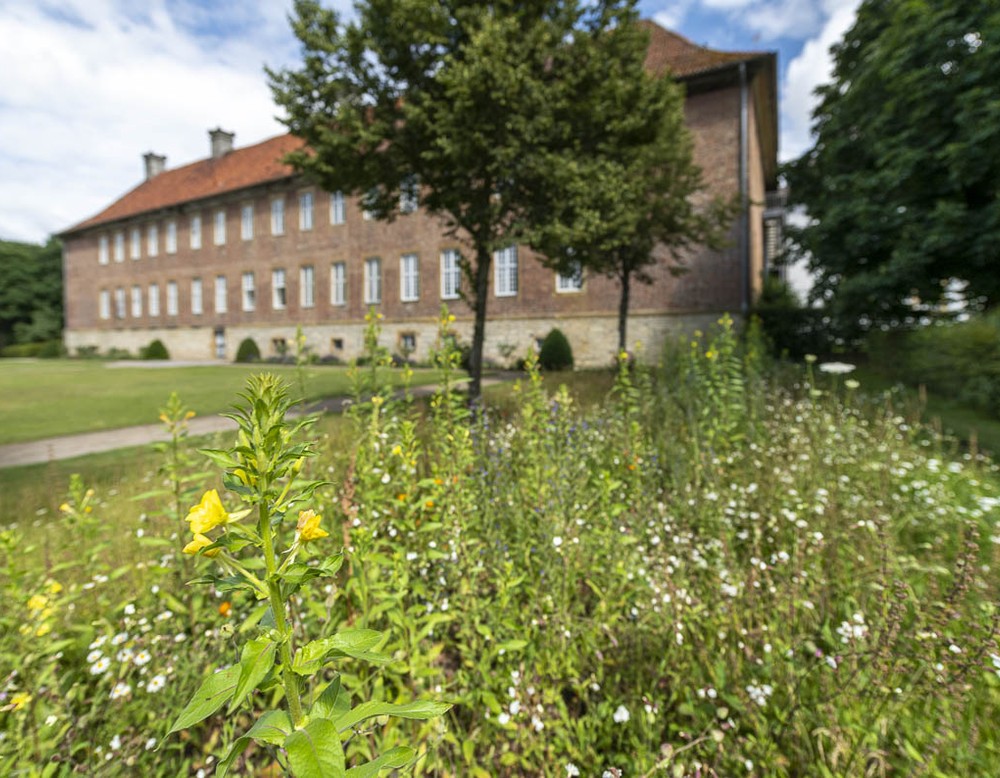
x=91, y=85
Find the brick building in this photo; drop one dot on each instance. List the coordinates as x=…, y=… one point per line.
x=237, y=245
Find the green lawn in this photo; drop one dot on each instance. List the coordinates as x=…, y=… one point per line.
x=45, y=398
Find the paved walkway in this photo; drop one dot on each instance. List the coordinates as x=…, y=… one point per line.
x=69, y=446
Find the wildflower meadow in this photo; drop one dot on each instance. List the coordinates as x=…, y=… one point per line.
x=725, y=568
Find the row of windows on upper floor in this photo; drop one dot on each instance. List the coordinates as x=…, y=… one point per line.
x=505, y=285
x=113, y=245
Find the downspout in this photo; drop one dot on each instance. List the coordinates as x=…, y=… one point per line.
x=744, y=238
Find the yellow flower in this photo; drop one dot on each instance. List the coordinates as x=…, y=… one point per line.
x=54, y=587
x=37, y=602
x=207, y=514
x=43, y=630
x=19, y=700
x=198, y=543
x=189, y=415
x=308, y=526
x=397, y=450
x=65, y=508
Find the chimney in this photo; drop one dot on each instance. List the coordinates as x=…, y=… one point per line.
x=155, y=164
x=222, y=142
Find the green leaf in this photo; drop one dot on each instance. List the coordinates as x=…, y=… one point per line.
x=220, y=457
x=238, y=747
x=315, y=751
x=273, y=727
x=350, y=642
x=400, y=756
x=333, y=703
x=256, y=662
x=211, y=696
x=418, y=709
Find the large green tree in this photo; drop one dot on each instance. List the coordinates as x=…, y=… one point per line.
x=468, y=108
x=30, y=292
x=627, y=190
x=901, y=187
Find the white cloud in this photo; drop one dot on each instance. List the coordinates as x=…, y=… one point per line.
x=811, y=68
x=90, y=87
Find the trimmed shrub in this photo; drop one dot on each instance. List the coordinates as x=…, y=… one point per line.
x=248, y=351
x=45, y=349
x=556, y=353
x=155, y=350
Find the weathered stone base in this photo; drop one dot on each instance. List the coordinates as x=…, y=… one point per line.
x=594, y=339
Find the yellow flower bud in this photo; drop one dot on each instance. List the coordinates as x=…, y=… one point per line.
x=308, y=526
x=198, y=543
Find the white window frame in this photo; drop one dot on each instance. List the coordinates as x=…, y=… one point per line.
x=173, y=303
x=196, y=232
x=153, y=301
x=136, y=301
x=119, y=302
x=170, y=239
x=305, y=211
x=104, y=304
x=219, y=228
x=338, y=211
x=373, y=281
x=135, y=243
x=451, y=274
x=409, y=278
x=248, y=291
x=278, y=216
x=153, y=240
x=279, y=289
x=119, y=246
x=505, y=272
x=197, y=297
x=221, y=295
x=246, y=221
x=570, y=284
x=103, y=252
x=338, y=283
x=307, y=286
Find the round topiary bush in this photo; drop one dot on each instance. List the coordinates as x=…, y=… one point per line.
x=155, y=350
x=556, y=353
x=248, y=351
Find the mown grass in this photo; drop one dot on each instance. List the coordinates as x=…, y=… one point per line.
x=45, y=398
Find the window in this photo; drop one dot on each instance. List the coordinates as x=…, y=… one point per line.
x=451, y=274
x=136, y=301
x=409, y=278
x=338, y=284
x=246, y=222
x=135, y=245
x=278, y=290
x=337, y=208
x=307, y=286
x=153, y=240
x=506, y=271
x=221, y=301
x=407, y=343
x=119, y=303
x=337, y=344
x=197, y=303
x=171, y=239
x=571, y=282
x=306, y=211
x=102, y=250
x=219, y=233
x=373, y=281
x=249, y=292
x=172, y=298
x=278, y=216
x=154, y=299
x=196, y=232
x=104, y=304
x=408, y=195
x=119, y=247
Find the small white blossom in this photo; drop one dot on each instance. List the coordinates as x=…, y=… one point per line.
x=621, y=715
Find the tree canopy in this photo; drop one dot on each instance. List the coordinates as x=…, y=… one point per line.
x=480, y=112
x=901, y=186
x=30, y=292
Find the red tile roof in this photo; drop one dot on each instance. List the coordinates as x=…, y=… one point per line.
x=235, y=170
x=671, y=52
x=261, y=163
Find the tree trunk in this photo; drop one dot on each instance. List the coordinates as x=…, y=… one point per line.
x=481, y=282
x=625, y=280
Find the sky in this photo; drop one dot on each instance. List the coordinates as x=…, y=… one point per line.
x=91, y=85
